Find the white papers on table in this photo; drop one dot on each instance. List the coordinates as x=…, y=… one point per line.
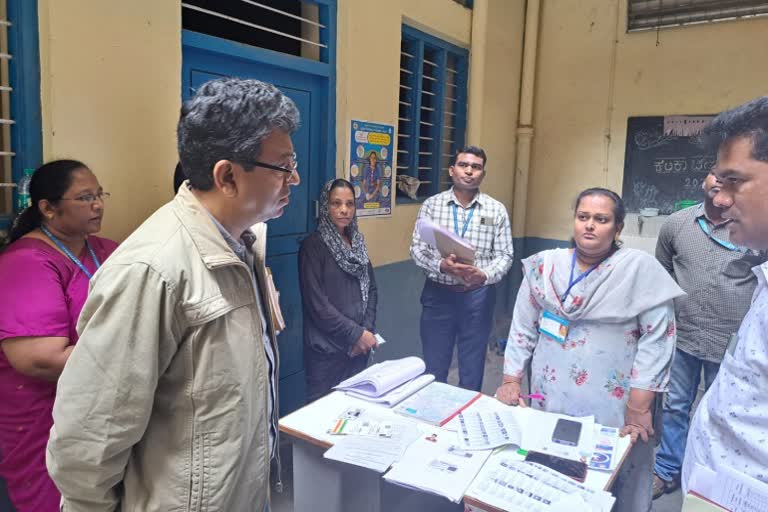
x=729, y=488
x=383, y=377
x=438, y=403
x=604, y=458
x=433, y=463
x=376, y=453
x=511, y=484
x=361, y=427
x=445, y=241
x=483, y=430
x=538, y=437
x=695, y=503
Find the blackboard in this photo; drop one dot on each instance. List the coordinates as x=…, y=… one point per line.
x=659, y=169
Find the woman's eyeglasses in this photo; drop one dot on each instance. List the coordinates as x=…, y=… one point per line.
x=88, y=198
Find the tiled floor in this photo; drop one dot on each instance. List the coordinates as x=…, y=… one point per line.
x=493, y=372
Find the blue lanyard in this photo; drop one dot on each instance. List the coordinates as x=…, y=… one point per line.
x=727, y=245
x=466, y=222
x=69, y=254
x=571, y=281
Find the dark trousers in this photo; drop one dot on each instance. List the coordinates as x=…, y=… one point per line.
x=326, y=370
x=450, y=317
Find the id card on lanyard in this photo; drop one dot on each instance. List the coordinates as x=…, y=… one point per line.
x=722, y=243
x=466, y=222
x=69, y=254
x=554, y=326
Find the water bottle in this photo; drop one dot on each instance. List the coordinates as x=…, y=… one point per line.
x=22, y=192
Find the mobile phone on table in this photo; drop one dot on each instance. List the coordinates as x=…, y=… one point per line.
x=570, y=468
x=567, y=432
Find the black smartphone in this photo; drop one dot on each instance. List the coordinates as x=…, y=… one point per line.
x=570, y=468
x=567, y=432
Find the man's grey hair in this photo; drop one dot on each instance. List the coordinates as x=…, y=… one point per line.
x=228, y=119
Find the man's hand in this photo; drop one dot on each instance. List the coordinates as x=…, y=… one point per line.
x=473, y=276
x=366, y=342
x=449, y=265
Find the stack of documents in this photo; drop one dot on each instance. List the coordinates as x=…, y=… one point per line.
x=436, y=465
x=438, y=403
x=539, y=437
x=511, y=484
x=727, y=488
x=483, y=430
x=373, y=450
x=388, y=382
x=490, y=424
x=445, y=241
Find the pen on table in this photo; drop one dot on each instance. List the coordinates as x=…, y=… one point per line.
x=534, y=396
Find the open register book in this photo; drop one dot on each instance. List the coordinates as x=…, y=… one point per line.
x=388, y=382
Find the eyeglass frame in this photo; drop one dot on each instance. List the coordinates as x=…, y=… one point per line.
x=88, y=198
x=290, y=172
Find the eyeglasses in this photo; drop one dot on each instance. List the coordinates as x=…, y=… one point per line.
x=294, y=165
x=475, y=167
x=88, y=198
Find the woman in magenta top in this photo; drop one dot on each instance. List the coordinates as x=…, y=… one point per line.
x=48, y=258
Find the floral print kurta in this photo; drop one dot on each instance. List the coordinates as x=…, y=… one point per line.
x=612, y=345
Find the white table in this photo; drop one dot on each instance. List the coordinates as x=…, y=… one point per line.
x=322, y=485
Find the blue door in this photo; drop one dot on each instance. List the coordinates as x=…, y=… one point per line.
x=205, y=58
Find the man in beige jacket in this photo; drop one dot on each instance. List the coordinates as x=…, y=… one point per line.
x=169, y=400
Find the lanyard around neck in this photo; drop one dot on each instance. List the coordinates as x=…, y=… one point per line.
x=466, y=222
x=69, y=254
x=571, y=281
x=723, y=243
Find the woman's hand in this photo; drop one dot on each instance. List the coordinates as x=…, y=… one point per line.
x=366, y=342
x=509, y=393
x=637, y=423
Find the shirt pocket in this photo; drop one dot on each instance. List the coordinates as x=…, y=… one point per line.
x=484, y=242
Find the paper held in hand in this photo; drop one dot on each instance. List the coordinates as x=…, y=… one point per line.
x=445, y=241
x=274, y=303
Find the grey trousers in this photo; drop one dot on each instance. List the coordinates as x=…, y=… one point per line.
x=633, y=487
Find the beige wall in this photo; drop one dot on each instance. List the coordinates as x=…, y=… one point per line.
x=361, y=42
x=592, y=76
x=111, y=92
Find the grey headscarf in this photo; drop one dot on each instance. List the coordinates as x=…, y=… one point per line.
x=626, y=284
x=354, y=261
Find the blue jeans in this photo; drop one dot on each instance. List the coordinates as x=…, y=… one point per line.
x=683, y=387
x=449, y=318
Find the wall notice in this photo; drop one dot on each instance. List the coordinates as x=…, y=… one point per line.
x=370, y=167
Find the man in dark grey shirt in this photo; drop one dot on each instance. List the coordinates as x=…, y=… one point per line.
x=695, y=248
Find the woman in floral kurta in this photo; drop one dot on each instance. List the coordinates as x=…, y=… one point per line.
x=621, y=334
x=610, y=347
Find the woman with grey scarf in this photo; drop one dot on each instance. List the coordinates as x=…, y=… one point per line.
x=338, y=293
x=595, y=325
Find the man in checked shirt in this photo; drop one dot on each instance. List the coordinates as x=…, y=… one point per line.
x=694, y=246
x=458, y=299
